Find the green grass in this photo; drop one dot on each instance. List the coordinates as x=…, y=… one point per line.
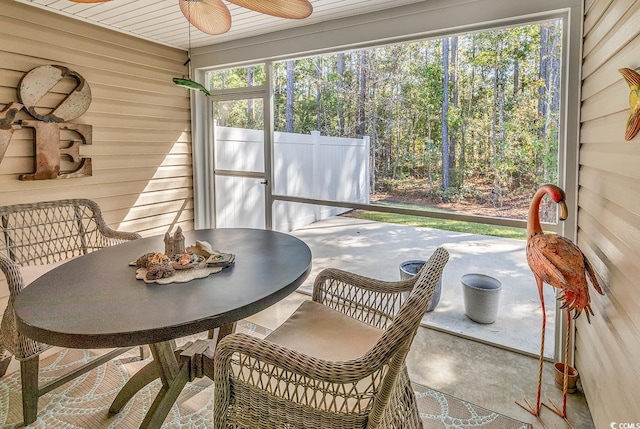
x=447, y=225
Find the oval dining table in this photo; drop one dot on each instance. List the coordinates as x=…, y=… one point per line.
x=95, y=301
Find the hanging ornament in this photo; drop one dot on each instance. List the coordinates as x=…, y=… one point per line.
x=633, y=123
x=187, y=82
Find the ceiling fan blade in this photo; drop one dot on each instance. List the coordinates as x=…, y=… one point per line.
x=208, y=16
x=293, y=9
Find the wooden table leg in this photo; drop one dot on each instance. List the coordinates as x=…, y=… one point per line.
x=219, y=333
x=146, y=375
x=164, y=366
x=226, y=330
x=173, y=377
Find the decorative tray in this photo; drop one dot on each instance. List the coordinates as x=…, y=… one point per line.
x=194, y=262
x=180, y=276
x=220, y=259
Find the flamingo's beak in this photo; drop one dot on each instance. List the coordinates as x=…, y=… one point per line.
x=564, y=213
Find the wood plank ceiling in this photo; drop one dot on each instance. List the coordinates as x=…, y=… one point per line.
x=161, y=20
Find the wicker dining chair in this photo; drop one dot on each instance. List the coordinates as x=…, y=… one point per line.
x=35, y=238
x=337, y=362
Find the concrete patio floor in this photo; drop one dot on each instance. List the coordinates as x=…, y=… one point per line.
x=442, y=355
x=478, y=373
x=376, y=249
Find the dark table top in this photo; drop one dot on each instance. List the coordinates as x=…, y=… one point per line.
x=95, y=301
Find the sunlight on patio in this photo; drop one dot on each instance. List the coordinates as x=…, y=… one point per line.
x=376, y=249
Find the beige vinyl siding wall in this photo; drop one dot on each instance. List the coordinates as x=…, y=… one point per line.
x=608, y=350
x=141, y=152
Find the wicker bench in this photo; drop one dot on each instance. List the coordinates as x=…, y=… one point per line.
x=35, y=238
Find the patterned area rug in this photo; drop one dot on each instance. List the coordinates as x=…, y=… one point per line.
x=84, y=402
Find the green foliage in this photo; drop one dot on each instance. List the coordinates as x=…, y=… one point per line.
x=503, y=115
x=237, y=78
x=465, y=192
x=236, y=114
x=447, y=225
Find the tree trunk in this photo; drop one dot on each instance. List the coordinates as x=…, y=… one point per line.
x=555, y=46
x=319, y=94
x=453, y=77
x=497, y=124
x=465, y=118
x=362, y=91
x=543, y=91
x=250, y=115
x=288, y=126
x=443, y=118
x=373, y=133
x=340, y=95
x=516, y=76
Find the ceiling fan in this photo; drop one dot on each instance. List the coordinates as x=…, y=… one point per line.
x=213, y=16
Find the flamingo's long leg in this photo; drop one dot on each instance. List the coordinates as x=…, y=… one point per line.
x=565, y=380
x=536, y=411
x=529, y=408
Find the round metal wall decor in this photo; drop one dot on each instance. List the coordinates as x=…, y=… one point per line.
x=37, y=83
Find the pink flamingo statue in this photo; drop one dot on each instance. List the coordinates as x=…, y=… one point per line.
x=557, y=261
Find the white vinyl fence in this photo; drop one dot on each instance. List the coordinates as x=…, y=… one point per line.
x=306, y=166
